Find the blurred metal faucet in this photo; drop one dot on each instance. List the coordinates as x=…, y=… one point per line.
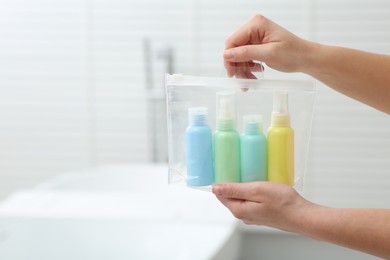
x=167, y=54
x=156, y=104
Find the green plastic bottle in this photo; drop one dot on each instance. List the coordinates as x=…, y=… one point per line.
x=226, y=140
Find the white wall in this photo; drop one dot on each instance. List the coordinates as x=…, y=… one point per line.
x=72, y=84
x=350, y=161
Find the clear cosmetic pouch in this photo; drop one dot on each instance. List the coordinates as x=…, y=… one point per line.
x=191, y=95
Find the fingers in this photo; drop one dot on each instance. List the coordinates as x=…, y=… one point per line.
x=244, y=74
x=252, y=32
x=243, y=69
x=229, y=68
x=239, y=208
x=245, y=53
x=241, y=191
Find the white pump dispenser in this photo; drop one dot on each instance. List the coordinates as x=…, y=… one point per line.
x=226, y=110
x=280, y=114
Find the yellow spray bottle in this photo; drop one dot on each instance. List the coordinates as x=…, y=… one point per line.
x=280, y=142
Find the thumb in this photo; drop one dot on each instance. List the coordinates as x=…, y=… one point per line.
x=244, y=53
x=242, y=191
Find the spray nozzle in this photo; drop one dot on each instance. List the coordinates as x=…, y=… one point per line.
x=280, y=106
x=226, y=111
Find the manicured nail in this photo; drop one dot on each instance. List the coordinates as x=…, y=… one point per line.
x=228, y=54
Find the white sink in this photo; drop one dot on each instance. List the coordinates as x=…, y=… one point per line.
x=116, y=212
x=129, y=212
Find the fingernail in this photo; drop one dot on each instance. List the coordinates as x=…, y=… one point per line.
x=217, y=189
x=228, y=54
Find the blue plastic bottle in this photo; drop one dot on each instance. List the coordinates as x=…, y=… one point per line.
x=200, y=169
x=253, y=146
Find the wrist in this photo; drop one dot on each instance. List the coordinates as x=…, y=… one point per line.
x=303, y=215
x=313, y=221
x=311, y=58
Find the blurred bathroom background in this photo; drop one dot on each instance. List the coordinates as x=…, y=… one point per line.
x=81, y=85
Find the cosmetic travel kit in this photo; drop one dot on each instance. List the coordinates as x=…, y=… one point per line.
x=238, y=130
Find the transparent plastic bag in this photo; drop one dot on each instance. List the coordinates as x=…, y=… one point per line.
x=250, y=97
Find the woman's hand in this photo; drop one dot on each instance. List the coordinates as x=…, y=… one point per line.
x=360, y=75
x=280, y=206
x=259, y=39
x=264, y=203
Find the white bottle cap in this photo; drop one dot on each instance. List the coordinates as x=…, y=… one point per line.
x=253, y=124
x=197, y=115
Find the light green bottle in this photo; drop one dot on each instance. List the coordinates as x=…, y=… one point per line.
x=226, y=140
